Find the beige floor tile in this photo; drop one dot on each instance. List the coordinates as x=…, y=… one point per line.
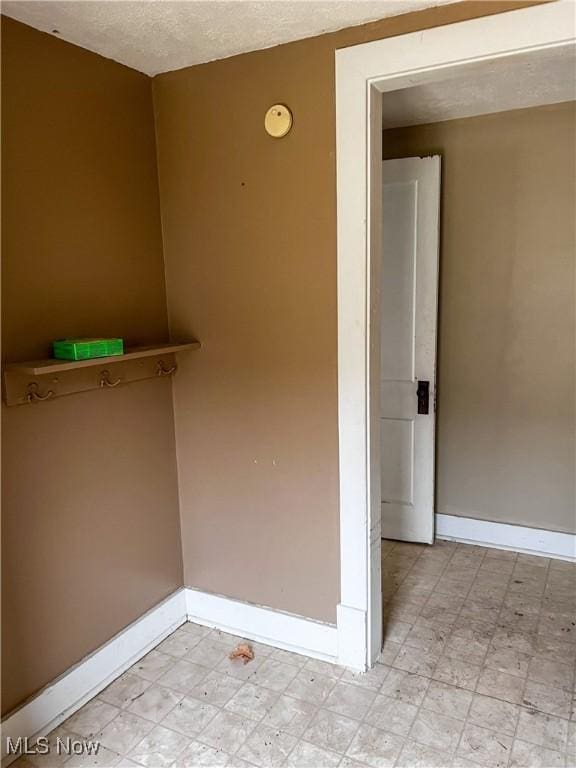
x=252, y=701
x=215, y=688
x=372, y=679
x=554, y=648
x=571, y=743
x=415, y=755
x=544, y=730
x=436, y=731
x=468, y=626
x=526, y=755
x=159, y=748
x=104, y=758
x=267, y=747
x=54, y=757
x=476, y=610
x=124, y=732
x=498, y=565
x=290, y=715
x=455, y=672
x=447, y=700
x=288, y=657
x=389, y=652
x=350, y=700
x=124, y=690
x=92, y=718
x=190, y=716
x=179, y=643
x=392, y=715
x=396, y=630
x=494, y=714
x=236, y=667
x=519, y=621
x=558, y=624
x=485, y=747
x=416, y=660
x=330, y=730
x=466, y=648
x=311, y=687
x=534, y=560
x=527, y=586
x=274, y=674
x=227, y=731
x=437, y=617
x=551, y=672
x=450, y=586
x=182, y=676
x=405, y=687
x=457, y=618
x=507, y=660
x=515, y=641
x=426, y=638
x=305, y=755
x=155, y=703
x=196, y=630
x=209, y=652
x=153, y=665
x=465, y=575
x=324, y=668
x=501, y=686
x=197, y=755
x=491, y=579
x=375, y=747
x=449, y=602
x=548, y=699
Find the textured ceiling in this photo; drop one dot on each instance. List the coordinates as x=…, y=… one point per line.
x=515, y=82
x=155, y=36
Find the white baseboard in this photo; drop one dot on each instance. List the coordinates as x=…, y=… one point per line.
x=533, y=541
x=61, y=698
x=264, y=625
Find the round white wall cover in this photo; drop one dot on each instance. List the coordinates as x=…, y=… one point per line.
x=278, y=121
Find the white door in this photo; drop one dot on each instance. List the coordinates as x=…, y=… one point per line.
x=409, y=299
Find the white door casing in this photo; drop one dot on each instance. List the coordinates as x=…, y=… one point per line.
x=363, y=73
x=408, y=312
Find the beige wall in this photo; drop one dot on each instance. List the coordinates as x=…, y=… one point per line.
x=90, y=530
x=250, y=250
x=507, y=346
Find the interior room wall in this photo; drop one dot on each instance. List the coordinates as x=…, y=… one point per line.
x=507, y=346
x=249, y=228
x=90, y=528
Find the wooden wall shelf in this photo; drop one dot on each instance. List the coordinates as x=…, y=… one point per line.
x=40, y=380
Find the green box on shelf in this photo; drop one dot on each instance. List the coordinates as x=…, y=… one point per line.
x=84, y=349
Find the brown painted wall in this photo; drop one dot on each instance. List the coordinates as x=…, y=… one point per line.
x=90, y=528
x=507, y=345
x=250, y=250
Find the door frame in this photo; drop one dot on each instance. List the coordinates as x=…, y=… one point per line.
x=363, y=73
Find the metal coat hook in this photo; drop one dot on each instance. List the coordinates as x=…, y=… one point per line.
x=161, y=370
x=33, y=396
x=106, y=381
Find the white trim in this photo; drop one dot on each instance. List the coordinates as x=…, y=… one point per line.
x=61, y=698
x=520, y=538
x=264, y=625
x=361, y=72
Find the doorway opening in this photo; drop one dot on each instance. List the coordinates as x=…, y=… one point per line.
x=487, y=65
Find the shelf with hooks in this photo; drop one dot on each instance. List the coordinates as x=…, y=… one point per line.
x=40, y=380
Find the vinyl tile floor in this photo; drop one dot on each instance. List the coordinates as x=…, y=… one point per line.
x=477, y=669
